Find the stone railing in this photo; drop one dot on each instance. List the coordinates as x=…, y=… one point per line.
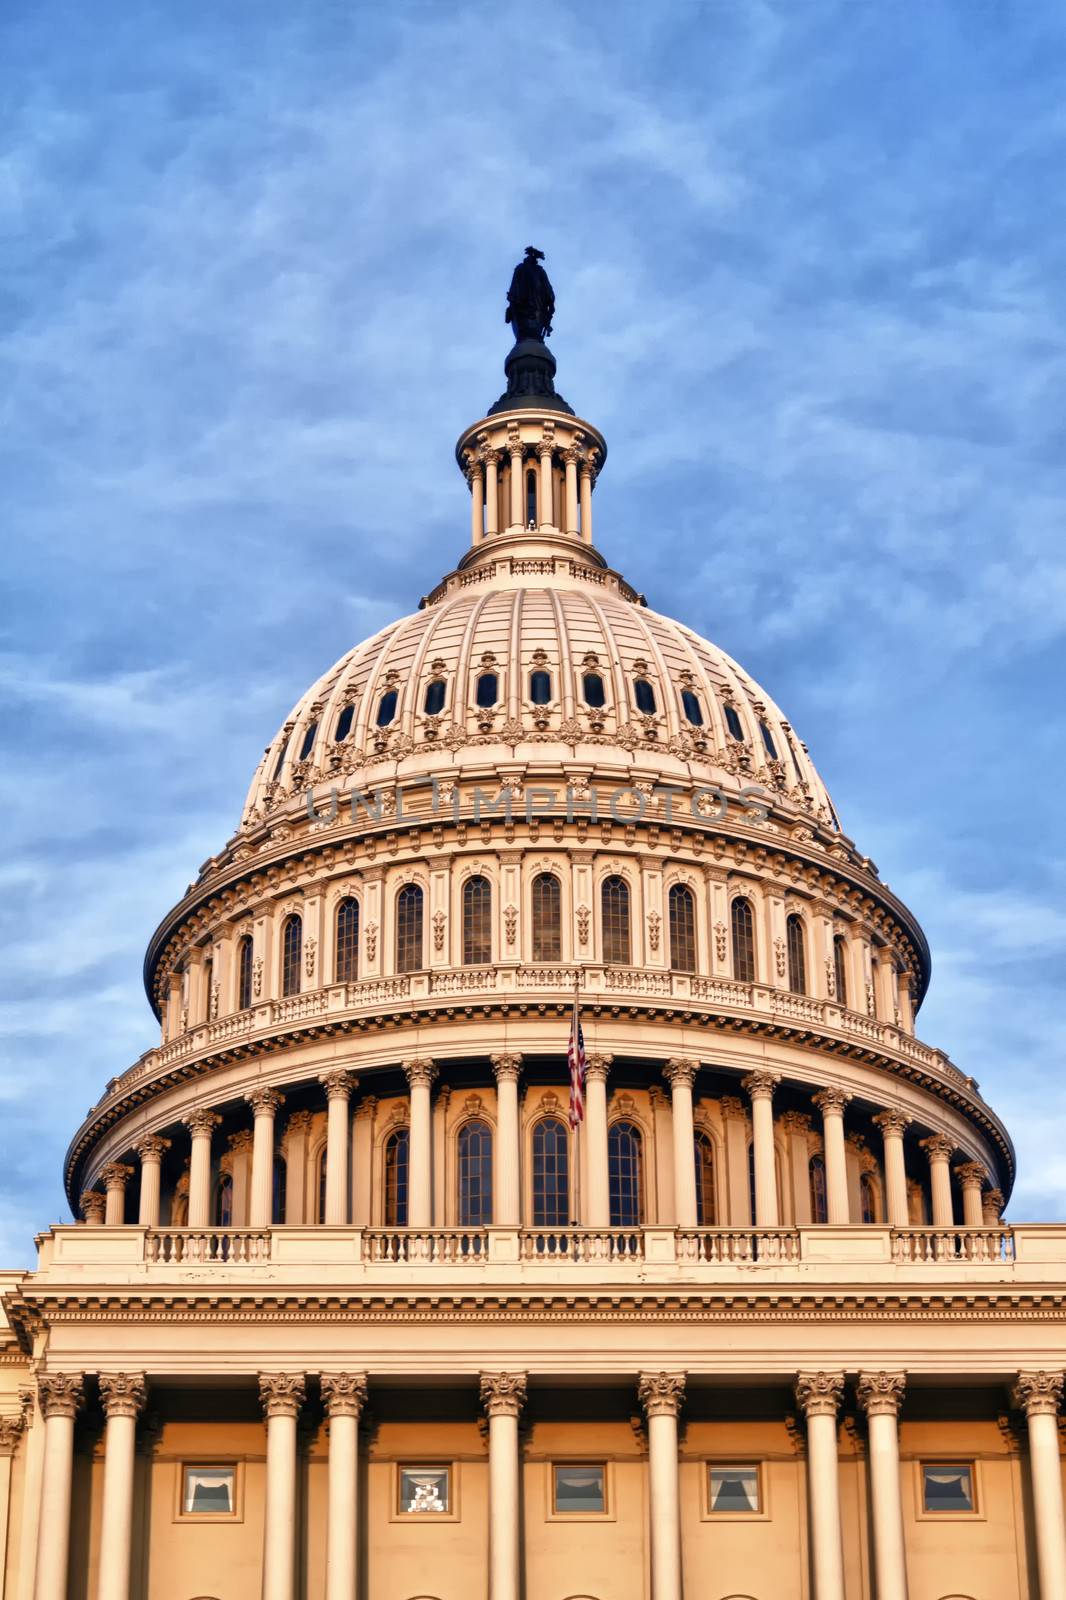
x=911, y=1245
x=195, y=1246
x=406, y=1246
x=581, y=1244
x=743, y=1245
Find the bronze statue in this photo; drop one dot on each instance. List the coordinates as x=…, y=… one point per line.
x=530, y=299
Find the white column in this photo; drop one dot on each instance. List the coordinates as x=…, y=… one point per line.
x=597, y=1202
x=503, y=1394
x=338, y=1085
x=818, y=1395
x=11, y=1429
x=735, y=1119
x=150, y=1152
x=680, y=1074
x=201, y=1125
x=1039, y=1395
x=661, y=1395
x=571, y=456
x=492, y=491
x=115, y=1177
x=991, y=1207
x=123, y=1396
x=476, y=479
x=344, y=1396
x=831, y=1103
x=893, y=1125
x=282, y=1396
x=880, y=1396
x=586, y=502
x=518, y=486
x=544, y=450
x=420, y=1074
x=60, y=1396
x=939, y=1148
x=506, y=1167
x=971, y=1176
x=93, y=1207
x=264, y=1103
x=761, y=1086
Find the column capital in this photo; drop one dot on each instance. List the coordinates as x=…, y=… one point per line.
x=832, y=1101
x=506, y=1067
x=938, y=1147
x=971, y=1174
x=881, y=1393
x=1038, y=1393
x=892, y=1122
x=123, y=1393
x=680, y=1072
x=298, y=1122
x=11, y=1431
x=344, y=1393
x=761, y=1085
x=818, y=1394
x=281, y=1394
x=597, y=1066
x=419, y=1071
x=503, y=1394
x=338, y=1083
x=241, y=1141
x=92, y=1205
x=202, y=1121
x=795, y=1122
x=732, y=1108
x=116, y=1175
x=992, y=1203
x=661, y=1394
x=264, y=1101
x=60, y=1394
x=152, y=1148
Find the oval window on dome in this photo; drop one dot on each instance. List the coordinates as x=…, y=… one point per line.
x=693, y=709
x=488, y=690
x=768, y=741
x=344, y=724
x=434, y=702
x=386, y=708
x=592, y=689
x=309, y=741
x=644, y=695
x=732, y=722
x=540, y=688
x=281, y=760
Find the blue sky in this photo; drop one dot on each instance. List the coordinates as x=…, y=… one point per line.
x=809, y=261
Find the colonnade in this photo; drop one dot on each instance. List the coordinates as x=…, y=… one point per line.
x=819, y=1394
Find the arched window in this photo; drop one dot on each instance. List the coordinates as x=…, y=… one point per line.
x=840, y=969
x=309, y=741
x=397, y=1166
x=224, y=1202
x=547, y=918
x=551, y=1174
x=614, y=916
x=593, y=691
x=487, y=691
x=409, y=929
x=693, y=709
x=768, y=741
x=816, y=1178
x=281, y=760
x=475, y=1175
x=706, y=1190
x=540, y=688
x=433, y=704
x=682, y=907
x=344, y=724
x=346, y=946
x=625, y=1175
x=797, y=955
x=320, y=1186
x=244, y=973
x=868, y=1197
x=477, y=922
x=743, y=921
x=292, y=944
x=531, y=498
x=644, y=695
x=279, y=1190
x=732, y=722
x=386, y=708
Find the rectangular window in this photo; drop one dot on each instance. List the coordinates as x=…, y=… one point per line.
x=425, y=1491
x=948, y=1486
x=579, y=1489
x=209, y=1491
x=734, y=1489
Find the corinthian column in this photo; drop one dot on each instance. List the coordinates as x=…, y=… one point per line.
x=264, y=1103
x=93, y=1207
x=680, y=1074
x=597, y=1203
x=880, y=1396
x=893, y=1125
x=939, y=1148
x=11, y=1430
x=761, y=1086
x=818, y=1395
x=115, y=1177
x=971, y=1176
x=831, y=1103
x=338, y=1085
x=344, y=1396
x=150, y=1152
x=420, y=1074
x=201, y=1124
x=60, y=1397
x=507, y=1207
x=123, y=1395
x=503, y=1394
x=282, y=1395
x=661, y=1395
x=1039, y=1394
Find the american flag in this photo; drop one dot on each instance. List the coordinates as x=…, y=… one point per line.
x=575, y=1057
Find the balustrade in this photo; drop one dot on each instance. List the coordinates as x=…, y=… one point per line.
x=916, y=1245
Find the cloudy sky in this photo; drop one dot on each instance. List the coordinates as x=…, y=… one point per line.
x=809, y=260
